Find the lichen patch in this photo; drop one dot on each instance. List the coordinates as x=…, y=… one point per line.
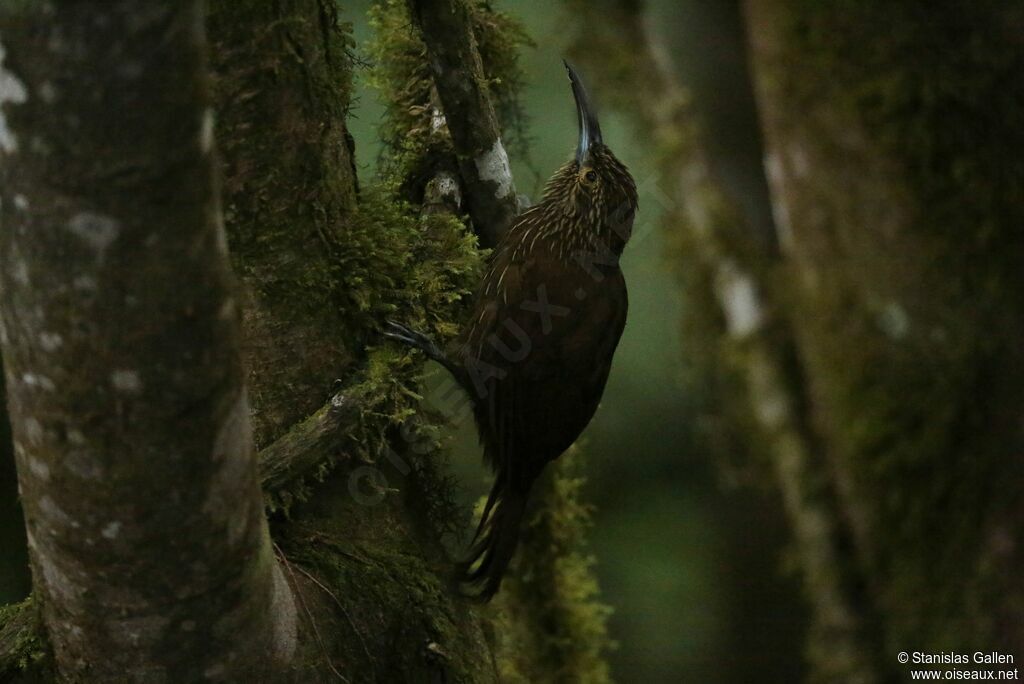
x=739, y=299
x=126, y=381
x=111, y=530
x=206, y=128
x=11, y=90
x=95, y=230
x=493, y=166
x=50, y=342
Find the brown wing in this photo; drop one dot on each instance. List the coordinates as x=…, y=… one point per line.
x=538, y=356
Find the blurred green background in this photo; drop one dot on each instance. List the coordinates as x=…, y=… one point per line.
x=691, y=564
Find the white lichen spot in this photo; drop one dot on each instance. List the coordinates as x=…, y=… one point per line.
x=227, y=309
x=39, y=468
x=232, y=453
x=216, y=671
x=111, y=530
x=21, y=203
x=53, y=513
x=125, y=380
x=139, y=632
x=57, y=582
x=894, y=321
x=780, y=210
x=282, y=606
x=19, y=271
x=84, y=283
x=11, y=90
x=801, y=164
x=447, y=186
x=740, y=301
x=437, y=120
x=771, y=404
x=206, y=128
x=82, y=464
x=95, y=230
x=50, y=342
x=493, y=166
x=47, y=93
x=37, y=381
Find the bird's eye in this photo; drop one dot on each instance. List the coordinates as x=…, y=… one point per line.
x=590, y=176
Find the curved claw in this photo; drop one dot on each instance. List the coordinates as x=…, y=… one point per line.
x=417, y=340
x=412, y=338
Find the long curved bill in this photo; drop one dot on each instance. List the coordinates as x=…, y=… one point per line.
x=590, y=129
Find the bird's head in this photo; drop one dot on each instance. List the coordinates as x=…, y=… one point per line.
x=595, y=189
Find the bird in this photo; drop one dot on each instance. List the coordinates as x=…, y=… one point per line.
x=537, y=349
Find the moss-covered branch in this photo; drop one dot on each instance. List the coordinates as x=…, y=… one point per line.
x=307, y=449
x=447, y=29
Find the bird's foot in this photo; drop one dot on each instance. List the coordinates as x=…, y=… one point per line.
x=412, y=338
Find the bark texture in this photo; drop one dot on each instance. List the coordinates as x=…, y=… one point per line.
x=447, y=30
x=282, y=80
x=149, y=547
x=322, y=266
x=899, y=206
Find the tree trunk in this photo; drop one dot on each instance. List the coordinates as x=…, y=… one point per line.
x=889, y=130
x=150, y=551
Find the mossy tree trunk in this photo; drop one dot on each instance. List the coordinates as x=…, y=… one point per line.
x=356, y=587
x=890, y=132
x=150, y=552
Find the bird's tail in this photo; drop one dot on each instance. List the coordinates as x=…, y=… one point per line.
x=494, y=543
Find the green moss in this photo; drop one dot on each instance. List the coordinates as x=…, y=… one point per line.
x=397, y=620
x=24, y=647
x=413, y=150
x=282, y=87
x=396, y=265
x=553, y=625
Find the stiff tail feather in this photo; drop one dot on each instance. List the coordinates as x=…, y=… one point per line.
x=494, y=543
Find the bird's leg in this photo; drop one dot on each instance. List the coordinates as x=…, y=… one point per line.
x=416, y=340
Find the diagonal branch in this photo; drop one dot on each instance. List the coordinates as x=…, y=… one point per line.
x=489, y=190
x=308, y=447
